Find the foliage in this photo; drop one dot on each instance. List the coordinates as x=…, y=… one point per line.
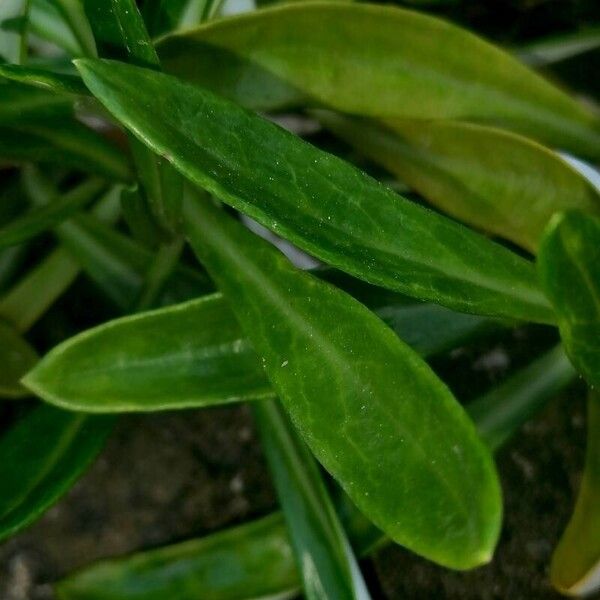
x=113, y=170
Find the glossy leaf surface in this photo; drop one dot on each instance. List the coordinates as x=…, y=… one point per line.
x=575, y=568
x=498, y=181
x=42, y=454
x=44, y=79
x=387, y=418
x=414, y=66
x=193, y=354
x=569, y=267
x=179, y=570
x=321, y=203
x=16, y=358
x=323, y=554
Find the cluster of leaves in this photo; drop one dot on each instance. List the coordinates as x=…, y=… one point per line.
x=155, y=123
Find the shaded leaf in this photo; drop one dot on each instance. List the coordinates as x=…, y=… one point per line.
x=44, y=217
x=73, y=13
x=41, y=455
x=500, y=412
x=180, y=570
x=62, y=83
x=495, y=180
x=16, y=358
x=575, y=568
x=414, y=66
x=569, y=267
x=323, y=554
x=321, y=203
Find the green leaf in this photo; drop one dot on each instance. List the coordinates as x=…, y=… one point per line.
x=41, y=218
x=500, y=412
x=323, y=554
x=193, y=354
x=41, y=455
x=321, y=203
x=61, y=83
x=253, y=560
x=569, y=268
x=496, y=180
x=37, y=290
x=16, y=358
x=575, y=568
x=67, y=143
x=11, y=42
x=73, y=13
x=179, y=571
x=47, y=23
x=387, y=419
x=39, y=126
x=548, y=51
x=117, y=264
x=414, y=66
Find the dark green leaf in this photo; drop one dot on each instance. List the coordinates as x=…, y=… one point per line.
x=575, y=568
x=16, y=358
x=321, y=203
x=41, y=455
x=179, y=570
x=493, y=179
x=193, y=354
x=413, y=66
x=323, y=554
x=229, y=565
x=569, y=267
x=387, y=419
x=11, y=43
x=73, y=13
x=37, y=290
x=502, y=411
x=43, y=78
x=41, y=218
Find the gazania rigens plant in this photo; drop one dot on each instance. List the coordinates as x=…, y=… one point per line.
x=138, y=143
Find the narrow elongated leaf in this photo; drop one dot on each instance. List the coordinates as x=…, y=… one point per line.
x=16, y=358
x=30, y=297
x=42, y=454
x=37, y=290
x=554, y=49
x=47, y=22
x=495, y=180
x=414, y=66
x=194, y=354
x=44, y=79
x=179, y=571
x=44, y=217
x=74, y=15
x=254, y=560
x=321, y=203
x=569, y=267
x=323, y=554
x=500, y=412
x=11, y=42
x=387, y=419
x=66, y=142
x=575, y=568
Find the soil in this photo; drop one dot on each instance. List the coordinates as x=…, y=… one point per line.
x=167, y=477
